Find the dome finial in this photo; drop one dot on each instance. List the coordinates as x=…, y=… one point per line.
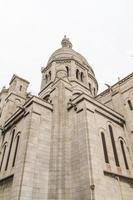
x=66, y=43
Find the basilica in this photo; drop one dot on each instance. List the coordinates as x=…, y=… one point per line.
x=69, y=142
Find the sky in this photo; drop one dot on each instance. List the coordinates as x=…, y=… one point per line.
x=31, y=30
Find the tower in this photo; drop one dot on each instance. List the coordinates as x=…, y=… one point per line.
x=67, y=64
x=66, y=76
x=13, y=97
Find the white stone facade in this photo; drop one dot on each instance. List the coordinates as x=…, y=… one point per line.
x=68, y=143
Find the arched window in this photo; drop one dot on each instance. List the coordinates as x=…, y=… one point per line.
x=124, y=154
x=16, y=148
x=90, y=87
x=67, y=68
x=3, y=155
x=114, y=146
x=50, y=75
x=77, y=74
x=82, y=76
x=130, y=105
x=46, y=77
x=10, y=148
x=94, y=91
x=20, y=88
x=104, y=148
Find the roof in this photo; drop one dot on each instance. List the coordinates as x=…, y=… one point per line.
x=66, y=52
x=120, y=82
x=15, y=76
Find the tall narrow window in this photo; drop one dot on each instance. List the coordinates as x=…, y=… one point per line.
x=50, y=75
x=46, y=77
x=104, y=148
x=124, y=154
x=90, y=87
x=3, y=155
x=130, y=105
x=10, y=148
x=16, y=148
x=67, y=71
x=20, y=88
x=77, y=74
x=94, y=92
x=82, y=76
x=114, y=146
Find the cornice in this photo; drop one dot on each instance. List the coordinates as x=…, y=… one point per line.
x=15, y=95
x=103, y=109
x=23, y=111
x=118, y=83
x=65, y=60
x=115, y=175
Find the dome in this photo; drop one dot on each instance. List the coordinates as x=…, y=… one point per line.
x=66, y=52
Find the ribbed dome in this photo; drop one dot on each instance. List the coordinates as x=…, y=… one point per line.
x=66, y=52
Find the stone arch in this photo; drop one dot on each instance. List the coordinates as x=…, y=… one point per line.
x=101, y=129
x=131, y=94
x=109, y=122
x=121, y=138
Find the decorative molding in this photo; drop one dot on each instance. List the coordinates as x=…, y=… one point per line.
x=110, y=118
x=118, y=83
x=114, y=175
x=108, y=110
x=80, y=110
x=90, y=110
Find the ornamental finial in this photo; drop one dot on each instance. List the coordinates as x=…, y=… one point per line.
x=66, y=43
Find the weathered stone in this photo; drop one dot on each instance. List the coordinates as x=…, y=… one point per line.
x=51, y=145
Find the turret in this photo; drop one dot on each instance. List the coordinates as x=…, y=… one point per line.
x=13, y=97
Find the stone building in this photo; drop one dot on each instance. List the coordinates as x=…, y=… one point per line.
x=67, y=143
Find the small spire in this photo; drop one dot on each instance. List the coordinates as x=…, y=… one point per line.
x=65, y=42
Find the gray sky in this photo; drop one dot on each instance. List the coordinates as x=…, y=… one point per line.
x=31, y=30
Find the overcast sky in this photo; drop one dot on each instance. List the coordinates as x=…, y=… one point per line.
x=31, y=30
